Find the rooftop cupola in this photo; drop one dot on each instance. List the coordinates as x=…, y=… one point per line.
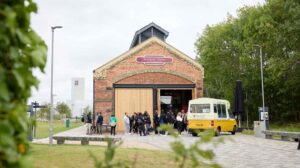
x=147, y=32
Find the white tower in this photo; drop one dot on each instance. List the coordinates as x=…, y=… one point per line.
x=77, y=96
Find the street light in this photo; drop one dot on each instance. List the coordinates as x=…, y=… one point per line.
x=51, y=94
x=262, y=83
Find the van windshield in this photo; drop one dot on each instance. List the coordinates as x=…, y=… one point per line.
x=200, y=108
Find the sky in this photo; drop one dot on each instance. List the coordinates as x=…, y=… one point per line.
x=96, y=31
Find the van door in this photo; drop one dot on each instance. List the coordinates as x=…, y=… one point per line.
x=223, y=118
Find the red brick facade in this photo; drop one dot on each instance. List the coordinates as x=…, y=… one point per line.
x=126, y=70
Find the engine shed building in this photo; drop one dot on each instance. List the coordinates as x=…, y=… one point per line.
x=151, y=75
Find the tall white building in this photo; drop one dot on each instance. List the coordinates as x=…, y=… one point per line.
x=77, y=96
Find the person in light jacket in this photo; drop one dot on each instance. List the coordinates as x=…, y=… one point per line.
x=127, y=124
x=179, y=122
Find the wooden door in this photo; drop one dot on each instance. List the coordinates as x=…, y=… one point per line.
x=132, y=100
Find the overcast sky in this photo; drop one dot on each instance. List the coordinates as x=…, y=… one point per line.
x=96, y=31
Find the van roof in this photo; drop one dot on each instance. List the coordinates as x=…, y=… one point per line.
x=209, y=100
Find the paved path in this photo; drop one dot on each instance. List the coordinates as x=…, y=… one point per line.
x=237, y=151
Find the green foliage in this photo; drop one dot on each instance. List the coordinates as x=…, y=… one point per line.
x=195, y=153
x=21, y=50
x=86, y=110
x=63, y=109
x=42, y=127
x=227, y=52
x=108, y=160
x=44, y=113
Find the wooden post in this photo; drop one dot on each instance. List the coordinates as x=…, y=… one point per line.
x=158, y=102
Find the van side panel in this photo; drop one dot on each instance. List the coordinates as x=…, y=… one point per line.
x=225, y=124
x=199, y=124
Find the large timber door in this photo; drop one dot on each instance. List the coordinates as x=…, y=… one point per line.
x=132, y=100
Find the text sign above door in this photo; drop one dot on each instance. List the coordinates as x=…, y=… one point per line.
x=154, y=60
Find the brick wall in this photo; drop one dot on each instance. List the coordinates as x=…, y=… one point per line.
x=128, y=71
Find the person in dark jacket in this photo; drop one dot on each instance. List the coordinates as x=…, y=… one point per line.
x=147, y=122
x=162, y=120
x=141, y=124
x=156, y=121
x=88, y=123
x=135, y=123
x=99, y=123
x=170, y=117
x=131, y=120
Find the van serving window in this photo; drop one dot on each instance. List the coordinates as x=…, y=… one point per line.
x=200, y=108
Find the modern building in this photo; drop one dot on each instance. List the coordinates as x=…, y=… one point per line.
x=151, y=75
x=77, y=96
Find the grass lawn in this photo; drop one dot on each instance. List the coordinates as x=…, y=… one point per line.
x=248, y=132
x=42, y=128
x=290, y=127
x=44, y=156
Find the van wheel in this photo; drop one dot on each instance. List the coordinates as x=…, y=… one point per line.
x=218, y=131
x=194, y=134
x=233, y=130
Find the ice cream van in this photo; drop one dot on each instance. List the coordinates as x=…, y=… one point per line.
x=209, y=113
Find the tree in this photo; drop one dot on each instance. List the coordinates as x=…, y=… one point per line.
x=63, y=109
x=227, y=54
x=86, y=110
x=21, y=51
x=44, y=113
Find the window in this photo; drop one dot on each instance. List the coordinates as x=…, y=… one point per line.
x=200, y=108
x=221, y=110
x=76, y=83
x=215, y=108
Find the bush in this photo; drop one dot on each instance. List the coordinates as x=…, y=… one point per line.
x=21, y=50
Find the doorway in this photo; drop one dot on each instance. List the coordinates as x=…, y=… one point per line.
x=174, y=100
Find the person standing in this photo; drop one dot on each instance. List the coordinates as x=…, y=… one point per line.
x=179, y=123
x=162, y=120
x=131, y=120
x=141, y=123
x=113, y=124
x=170, y=118
x=88, y=123
x=147, y=122
x=156, y=121
x=135, y=123
x=127, y=124
x=184, y=120
x=99, y=123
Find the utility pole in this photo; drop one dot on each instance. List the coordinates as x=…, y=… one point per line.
x=51, y=90
x=262, y=84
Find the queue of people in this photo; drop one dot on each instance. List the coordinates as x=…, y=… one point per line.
x=139, y=123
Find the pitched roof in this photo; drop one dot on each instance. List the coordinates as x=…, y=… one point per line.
x=148, y=31
x=136, y=49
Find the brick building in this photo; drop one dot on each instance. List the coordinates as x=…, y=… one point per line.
x=150, y=75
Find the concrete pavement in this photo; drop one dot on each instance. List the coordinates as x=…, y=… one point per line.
x=240, y=151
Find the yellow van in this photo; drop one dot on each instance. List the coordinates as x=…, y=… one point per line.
x=209, y=113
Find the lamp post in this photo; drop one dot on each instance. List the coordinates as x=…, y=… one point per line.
x=51, y=90
x=262, y=83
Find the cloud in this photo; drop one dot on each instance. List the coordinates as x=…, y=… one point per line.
x=96, y=31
